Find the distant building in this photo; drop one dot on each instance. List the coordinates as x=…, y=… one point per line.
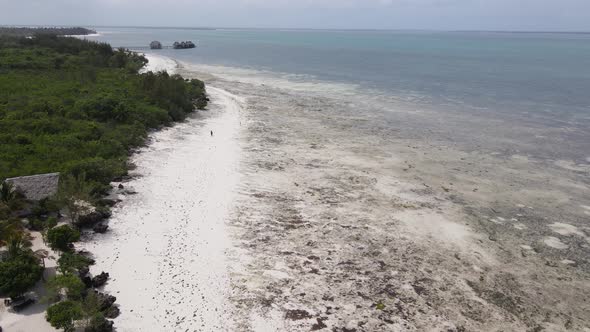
x=36, y=187
x=183, y=44
x=156, y=45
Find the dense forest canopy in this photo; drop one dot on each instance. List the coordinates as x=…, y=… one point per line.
x=75, y=106
x=32, y=31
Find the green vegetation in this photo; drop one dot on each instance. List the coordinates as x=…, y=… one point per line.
x=27, y=32
x=72, y=191
x=76, y=305
x=79, y=107
x=19, y=272
x=69, y=284
x=70, y=262
x=7, y=192
x=62, y=315
x=98, y=323
x=61, y=237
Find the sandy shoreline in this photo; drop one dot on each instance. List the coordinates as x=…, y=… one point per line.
x=166, y=248
x=302, y=213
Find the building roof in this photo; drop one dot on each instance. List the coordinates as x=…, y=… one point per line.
x=36, y=187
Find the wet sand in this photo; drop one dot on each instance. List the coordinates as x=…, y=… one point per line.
x=401, y=220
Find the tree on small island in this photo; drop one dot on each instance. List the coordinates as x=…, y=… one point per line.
x=61, y=237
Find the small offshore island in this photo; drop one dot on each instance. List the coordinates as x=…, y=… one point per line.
x=71, y=113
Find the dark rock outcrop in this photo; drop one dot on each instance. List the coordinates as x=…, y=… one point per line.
x=89, y=219
x=107, y=202
x=100, y=228
x=92, y=218
x=100, y=279
x=105, y=301
x=99, y=324
x=112, y=312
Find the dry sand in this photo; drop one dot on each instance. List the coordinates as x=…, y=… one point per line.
x=166, y=247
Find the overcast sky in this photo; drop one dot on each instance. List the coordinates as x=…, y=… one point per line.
x=353, y=14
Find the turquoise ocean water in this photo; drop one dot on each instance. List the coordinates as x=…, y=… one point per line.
x=539, y=79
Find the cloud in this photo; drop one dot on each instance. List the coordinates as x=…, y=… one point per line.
x=391, y=14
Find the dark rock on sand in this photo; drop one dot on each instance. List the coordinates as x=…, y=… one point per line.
x=297, y=314
x=88, y=255
x=112, y=312
x=83, y=271
x=107, y=202
x=319, y=325
x=90, y=219
x=87, y=280
x=105, y=301
x=99, y=324
x=100, y=279
x=100, y=228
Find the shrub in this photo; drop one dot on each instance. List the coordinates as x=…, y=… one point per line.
x=68, y=283
x=7, y=192
x=9, y=229
x=97, y=169
x=51, y=222
x=98, y=323
x=60, y=238
x=19, y=274
x=62, y=315
x=71, y=262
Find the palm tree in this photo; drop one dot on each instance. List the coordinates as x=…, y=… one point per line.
x=73, y=192
x=7, y=229
x=16, y=244
x=7, y=192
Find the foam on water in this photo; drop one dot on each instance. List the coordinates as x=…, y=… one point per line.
x=294, y=82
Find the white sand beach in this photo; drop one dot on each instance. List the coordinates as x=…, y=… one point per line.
x=166, y=247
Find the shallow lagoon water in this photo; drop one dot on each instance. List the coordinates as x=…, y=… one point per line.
x=539, y=82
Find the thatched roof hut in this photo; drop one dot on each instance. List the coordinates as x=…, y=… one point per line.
x=36, y=187
x=156, y=45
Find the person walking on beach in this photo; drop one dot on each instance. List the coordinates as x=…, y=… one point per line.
x=211, y=132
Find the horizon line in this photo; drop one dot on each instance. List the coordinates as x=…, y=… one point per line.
x=300, y=28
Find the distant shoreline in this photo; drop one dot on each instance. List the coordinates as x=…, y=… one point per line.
x=341, y=29
x=17, y=31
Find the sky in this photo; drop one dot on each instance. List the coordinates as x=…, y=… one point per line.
x=530, y=15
